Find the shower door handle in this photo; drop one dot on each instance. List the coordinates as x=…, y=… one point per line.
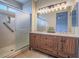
x=8, y=27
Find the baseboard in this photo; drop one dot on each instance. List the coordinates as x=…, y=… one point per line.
x=17, y=52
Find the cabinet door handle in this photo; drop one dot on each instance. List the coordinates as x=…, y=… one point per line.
x=61, y=46
x=64, y=41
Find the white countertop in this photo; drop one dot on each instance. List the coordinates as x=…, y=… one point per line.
x=59, y=34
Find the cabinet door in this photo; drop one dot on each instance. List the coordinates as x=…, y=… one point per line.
x=66, y=47
x=52, y=44
x=32, y=40
x=37, y=41
x=60, y=48
x=69, y=45
x=43, y=41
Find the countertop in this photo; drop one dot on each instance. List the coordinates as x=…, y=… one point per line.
x=58, y=34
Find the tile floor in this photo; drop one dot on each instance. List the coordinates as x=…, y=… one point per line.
x=32, y=54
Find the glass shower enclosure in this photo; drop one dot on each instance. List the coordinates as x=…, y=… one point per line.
x=14, y=32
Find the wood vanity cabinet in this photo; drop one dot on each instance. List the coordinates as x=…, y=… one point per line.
x=59, y=46
x=67, y=47
x=35, y=41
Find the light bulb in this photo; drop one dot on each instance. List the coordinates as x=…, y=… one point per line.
x=65, y=6
x=60, y=8
x=52, y=9
x=45, y=10
x=42, y=11
x=49, y=10
x=55, y=8
x=39, y=11
x=58, y=5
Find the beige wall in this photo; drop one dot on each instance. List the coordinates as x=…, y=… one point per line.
x=43, y=3
x=51, y=19
x=34, y=16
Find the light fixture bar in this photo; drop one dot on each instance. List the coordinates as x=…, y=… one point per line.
x=52, y=8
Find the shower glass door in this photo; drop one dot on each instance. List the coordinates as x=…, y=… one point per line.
x=7, y=35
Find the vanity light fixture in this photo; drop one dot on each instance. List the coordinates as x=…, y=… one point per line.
x=53, y=8
x=64, y=5
x=45, y=10
x=56, y=8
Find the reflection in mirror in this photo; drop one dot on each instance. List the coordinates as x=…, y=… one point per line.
x=58, y=18
x=42, y=24
x=74, y=21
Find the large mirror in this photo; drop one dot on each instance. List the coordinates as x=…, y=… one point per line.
x=59, y=17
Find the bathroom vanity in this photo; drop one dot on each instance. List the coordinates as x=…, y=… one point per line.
x=55, y=44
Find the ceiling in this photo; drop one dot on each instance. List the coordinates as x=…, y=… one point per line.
x=21, y=1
